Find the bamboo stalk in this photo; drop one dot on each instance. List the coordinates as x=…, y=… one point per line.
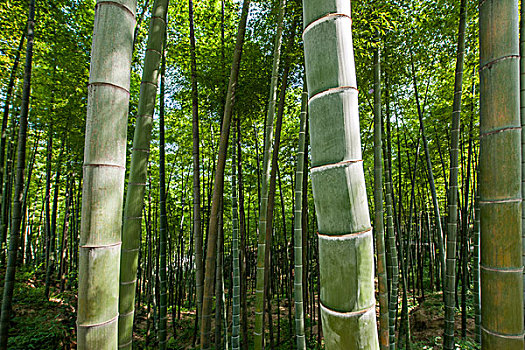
x=500, y=175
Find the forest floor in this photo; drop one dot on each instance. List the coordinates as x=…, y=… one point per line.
x=41, y=324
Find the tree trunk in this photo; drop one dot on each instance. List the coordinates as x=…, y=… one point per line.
x=475, y=270
x=522, y=119
x=163, y=310
x=104, y=171
x=379, y=227
x=64, y=247
x=298, y=230
x=338, y=182
x=5, y=118
x=260, y=289
x=7, y=189
x=430, y=174
x=51, y=257
x=392, y=261
x=219, y=282
x=47, y=197
x=243, y=237
x=235, y=253
x=197, y=232
x=131, y=230
x=449, y=283
x=218, y=187
x=500, y=176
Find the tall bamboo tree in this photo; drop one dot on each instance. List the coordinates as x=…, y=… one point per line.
x=522, y=117
x=431, y=182
x=475, y=271
x=218, y=185
x=346, y=258
x=379, y=227
x=16, y=214
x=260, y=289
x=5, y=117
x=235, y=252
x=163, y=309
x=197, y=232
x=450, y=271
x=392, y=261
x=104, y=171
x=298, y=229
x=500, y=175
x=132, y=228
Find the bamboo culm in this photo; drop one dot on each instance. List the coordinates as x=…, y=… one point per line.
x=500, y=199
x=298, y=230
x=379, y=229
x=132, y=226
x=346, y=258
x=104, y=172
x=260, y=289
x=218, y=187
x=450, y=270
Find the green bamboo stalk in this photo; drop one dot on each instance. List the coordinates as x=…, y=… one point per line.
x=218, y=184
x=235, y=251
x=163, y=309
x=450, y=271
x=384, y=336
x=197, y=232
x=16, y=215
x=346, y=258
x=393, y=267
x=500, y=175
x=522, y=118
x=104, y=171
x=219, y=282
x=132, y=227
x=3, y=131
x=475, y=271
x=298, y=228
x=430, y=174
x=260, y=289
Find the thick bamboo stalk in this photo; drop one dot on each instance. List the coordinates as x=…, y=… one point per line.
x=500, y=175
x=104, y=171
x=132, y=227
x=346, y=260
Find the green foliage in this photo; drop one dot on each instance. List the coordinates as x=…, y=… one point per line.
x=39, y=324
x=41, y=333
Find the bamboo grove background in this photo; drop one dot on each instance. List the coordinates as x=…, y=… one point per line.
x=418, y=41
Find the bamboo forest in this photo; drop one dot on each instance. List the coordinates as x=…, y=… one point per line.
x=262, y=174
